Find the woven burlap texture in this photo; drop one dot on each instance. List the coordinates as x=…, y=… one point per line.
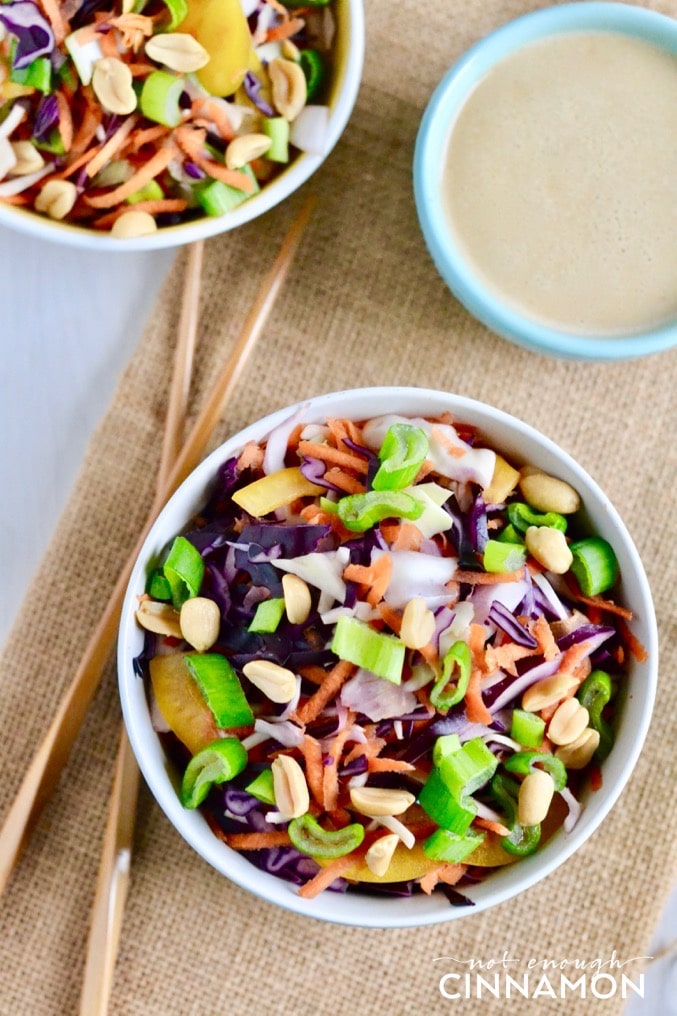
x=363, y=306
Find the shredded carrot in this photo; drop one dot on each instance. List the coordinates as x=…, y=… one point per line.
x=283, y=31
x=312, y=753
x=476, y=639
x=326, y=876
x=608, y=606
x=595, y=778
x=491, y=826
x=147, y=136
x=191, y=142
x=546, y=640
x=632, y=642
x=572, y=658
x=402, y=535
x=368, y=749
x=251, y=456
x=86, y=132
x=257, y=841
x=389, y=765
x=330, y=783
x=375, y=577
x=505, y=657
x=159, y=207
x=344, y=481
x=111, y=147
x=345, y=430
x=144, y=175
x=325, y=453
x=216, y=114
x=390, y=616
x=474, y=704
x=15, y=199
x=335, y=677
x=65, y=121
x=425, y=470
x=488, y=578
x=447, y=873
x=313, y=673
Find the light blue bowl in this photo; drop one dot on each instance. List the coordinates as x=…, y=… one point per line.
x=429, y=154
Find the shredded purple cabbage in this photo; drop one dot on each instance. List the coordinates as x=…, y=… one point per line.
x=508, y=623
x=252, y=87
x=32, y=31
x=47, y=117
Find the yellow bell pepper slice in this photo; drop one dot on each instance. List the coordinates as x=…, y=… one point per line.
x=274, y=491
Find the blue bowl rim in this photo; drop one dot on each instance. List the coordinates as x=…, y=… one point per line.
x=447, y=99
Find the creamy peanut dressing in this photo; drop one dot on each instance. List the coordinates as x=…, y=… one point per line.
x=560, y=182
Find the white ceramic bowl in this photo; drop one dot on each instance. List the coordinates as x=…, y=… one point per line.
x=346, y=77
x=522, y=444
x=444, y=106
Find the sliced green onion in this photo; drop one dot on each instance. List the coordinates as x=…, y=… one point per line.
x=503, y=557
x=262, y=787
x=268, y=616
x=38, y=74
x=445, y=745
x=315, y=71
x=178, y=10
x=442, y=807
x=594, y=694
x=53, y=143
x=219, y=762
x=523, y=762
x=453, y=684
x=522, y=516
x=277, y=129
x=510, y=535
x=329, y=506
x=527, y=728
x=359, y=643
x=221, y=689
x=359, y=512
x=402, y=453
x=217, y=197
x=595, y=565
x=160, y=97
x=308, y=836
x=444, y=845
x=522, y=840
x=184, y=570
x=467, y=770
x=158, y=587
x=152, y=191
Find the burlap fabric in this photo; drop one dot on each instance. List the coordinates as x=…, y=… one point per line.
x=363, y=306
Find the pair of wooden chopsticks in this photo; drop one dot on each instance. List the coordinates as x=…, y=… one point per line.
x=114, y=868
x=47, y=764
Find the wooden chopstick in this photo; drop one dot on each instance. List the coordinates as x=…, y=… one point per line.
x=114, y=867
x=53, y=753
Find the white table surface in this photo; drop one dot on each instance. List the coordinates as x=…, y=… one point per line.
x=69, y=321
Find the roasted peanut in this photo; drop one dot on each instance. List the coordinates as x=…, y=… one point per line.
x=550, y=548
x=535, y=795
x=380, y=854
x=200, y=620
x=548, y=493
x=418, y=624
x=56, y=198
x=160, y=618
x=112, y=84
x=297, y=600
x=577, y=754
x=292, y=798
x=177, y=50
x=276, y=682
x=289, y=87
x=28, y=158
x=131, y=224
x=568, y=722
x=379, y=801
x=547, y=692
